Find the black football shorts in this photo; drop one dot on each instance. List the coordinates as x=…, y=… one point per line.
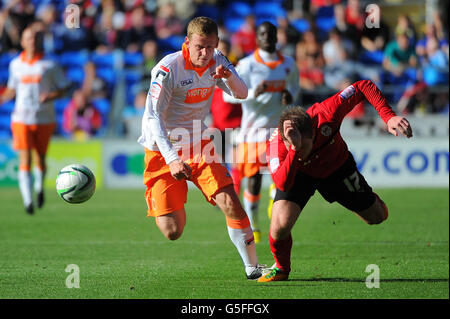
x=346, y=186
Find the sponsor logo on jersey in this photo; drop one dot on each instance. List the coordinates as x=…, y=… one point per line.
x=162, y=73
x=28, y=79
x=186, y=82
x=275, y=85
x=198, y=95
x=348, y=92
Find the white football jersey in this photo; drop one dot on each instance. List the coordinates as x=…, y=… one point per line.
x=29, y=79
x=260, y=115
x=178, y=101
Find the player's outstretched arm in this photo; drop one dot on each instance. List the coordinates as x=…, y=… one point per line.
x=399, y=124
x=7, y=95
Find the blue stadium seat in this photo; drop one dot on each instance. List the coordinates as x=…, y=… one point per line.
x=5, y=123
x=60, y=105
x=105, y=60
x=301, y=25
x=237, y=9
x=4, y=74
x=107, y=74
x=233, y=24
x=209, y=11
x=75, y=75
x=325, y=24
x=133, y=59
x=6, y=58
x=172, y=43
x=7, y=108
x=133, y=76
x=373, y=58
x=73, y=58
x=268, y=10
x=103, y=106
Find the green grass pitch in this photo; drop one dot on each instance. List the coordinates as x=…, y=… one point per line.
x=121, y=253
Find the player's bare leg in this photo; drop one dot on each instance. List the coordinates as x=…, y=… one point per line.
x=239, y=230
x=375, y=214
x=251, y=203
x=25, y=180
x=39, y=175
x=172, y=224
x=284, y=216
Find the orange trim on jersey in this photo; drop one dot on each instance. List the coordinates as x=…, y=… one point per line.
x=275, y=85
x=198, y=95
x=28, y=79
x=238, y=224
x=36, y=57
x=188, y=64
x=250, y=197
x=271, y=65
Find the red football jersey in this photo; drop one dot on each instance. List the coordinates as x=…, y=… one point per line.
x=329, y=150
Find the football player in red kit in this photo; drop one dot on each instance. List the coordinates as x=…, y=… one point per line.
x=307, y=153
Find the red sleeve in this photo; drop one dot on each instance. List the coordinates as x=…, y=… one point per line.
x=373, y=94
x=282, y=162
x=343, y=102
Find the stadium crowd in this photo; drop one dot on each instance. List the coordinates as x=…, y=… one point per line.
x=117, y=42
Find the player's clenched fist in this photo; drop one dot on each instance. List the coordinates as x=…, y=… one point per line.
x=399, y=124
x=180, y=170
x=222, y=72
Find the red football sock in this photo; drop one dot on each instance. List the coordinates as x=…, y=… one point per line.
x=236, y=176
x=281, y=251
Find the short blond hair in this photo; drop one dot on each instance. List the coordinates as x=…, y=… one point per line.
x=203, y=26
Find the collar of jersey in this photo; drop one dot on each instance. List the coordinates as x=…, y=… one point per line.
x=272, y=64
x=36, y=57
x=189, y=66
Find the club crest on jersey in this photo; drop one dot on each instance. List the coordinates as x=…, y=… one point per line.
x=348, y=92
x=326, y=130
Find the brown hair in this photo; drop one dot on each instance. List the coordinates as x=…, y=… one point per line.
x=302, y=121
x=203, y=26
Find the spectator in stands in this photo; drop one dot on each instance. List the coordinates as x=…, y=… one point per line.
x=435, y=64
x=353, y=14
x=184, y=9
x=311, y=79
x=141, y=29
x=399, y=58
x=404, y=25
x=287, y=36
x=431, y=34
x=308, y=46
x=348, y=32
x=50, y=28
x=81, y=37
x=339, y=69
x=81, y=119
x=375, y=39
x=106, y=35
x=167, y=23
x=244, y=38
x=15, y=16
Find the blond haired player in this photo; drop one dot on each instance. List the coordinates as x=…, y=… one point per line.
x=34, y=82
x=273, y=82
x=177, y=103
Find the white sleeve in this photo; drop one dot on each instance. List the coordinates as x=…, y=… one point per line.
x=235, y=85
x=243, y=75
x=158, y=99
x=13, y=81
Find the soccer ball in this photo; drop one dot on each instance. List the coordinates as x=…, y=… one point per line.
x=75, y=183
